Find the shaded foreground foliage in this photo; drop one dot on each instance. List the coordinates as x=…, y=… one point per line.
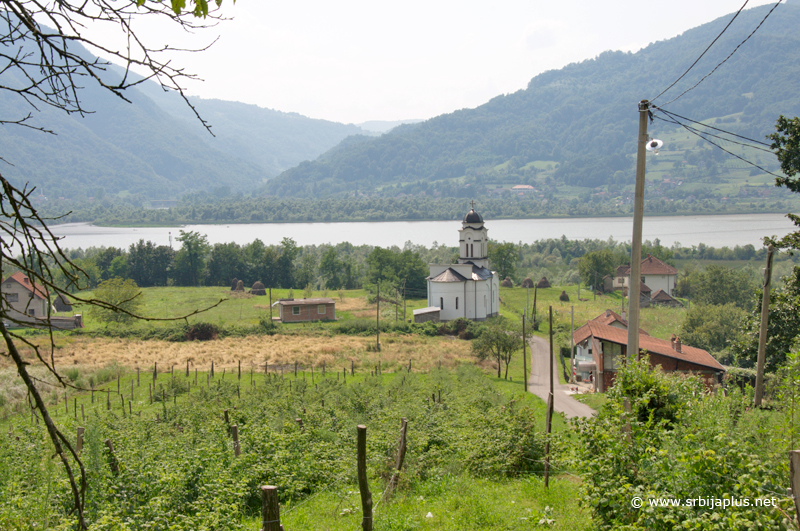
x=180, y=473
x=685, y=444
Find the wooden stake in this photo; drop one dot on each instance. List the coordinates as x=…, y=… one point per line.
x=401, y=455
x=113, y=464
x=548, y=427
x=212, y=369
x=270, y=509
x=794, y=472
x=240, y=369
x=155, y=371
x=235, y=434
x=363, y=486
x=83, y=414
x=79, y=441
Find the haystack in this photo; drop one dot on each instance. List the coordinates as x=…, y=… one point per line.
x=543, y=283
x=240, y=286
x=258, y=289
x=234, y=283
x=563, y=297
x=527, y=283
x=507, y=283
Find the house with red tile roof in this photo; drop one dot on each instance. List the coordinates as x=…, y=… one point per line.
x=602, y=344
x=22, y=298
x=656, y=274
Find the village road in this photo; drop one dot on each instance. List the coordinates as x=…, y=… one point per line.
x=539, y=382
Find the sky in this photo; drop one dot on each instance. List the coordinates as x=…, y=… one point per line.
x=355, y=60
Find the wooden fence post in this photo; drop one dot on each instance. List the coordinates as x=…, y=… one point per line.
x=235, y=433
x=212, y=369
x=794, y=471
x=240, y=369
x=75, y=407
x=401, y=455
x=113, y=464
x=79, y=441
x=137, y=376
x=352, y=368
x=155, y=371
x=363, y=487
x=270, y=510
x=108, y=400
x=548, y=427
x=83, y=414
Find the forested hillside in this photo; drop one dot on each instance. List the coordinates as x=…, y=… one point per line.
x=154, y=148
x=577, y=126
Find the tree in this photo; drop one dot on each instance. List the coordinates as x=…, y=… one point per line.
x=498, y=339
x=330, y=269
x=712, y=327
x=190, y=261
x=120, y=295
x=717, y=285
x=783, y=328
x=504, y=258
x=44, y=64
x=595, y=265
x=786, y=143
x=285, y=263
x=226, y=262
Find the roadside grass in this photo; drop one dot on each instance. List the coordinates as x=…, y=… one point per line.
x=593, y=400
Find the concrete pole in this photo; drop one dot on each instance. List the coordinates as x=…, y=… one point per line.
x=635, y=278
x=572, y=343
x=762, y=338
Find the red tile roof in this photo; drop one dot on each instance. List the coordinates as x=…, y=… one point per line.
x=606, y=318
x=653, y=266
x=662, y=296
x=651, y=344
x=23, y=280
x=650, y=266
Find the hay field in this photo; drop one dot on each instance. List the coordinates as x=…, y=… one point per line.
x=279, y=350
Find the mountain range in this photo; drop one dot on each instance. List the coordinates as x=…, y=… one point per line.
x=571, y=133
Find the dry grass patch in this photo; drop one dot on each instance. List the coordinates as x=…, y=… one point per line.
x=335, y=352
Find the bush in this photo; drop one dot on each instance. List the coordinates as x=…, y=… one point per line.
x=202, y=332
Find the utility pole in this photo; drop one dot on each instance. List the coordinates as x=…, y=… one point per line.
x=524, y=352
x=762, y=337
x=527, y=300
x=635, y=278
x=378, y=319
x=572, y=344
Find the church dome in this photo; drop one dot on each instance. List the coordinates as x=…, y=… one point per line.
x=473, y=217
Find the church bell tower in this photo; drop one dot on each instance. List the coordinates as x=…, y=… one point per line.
x=473, y=240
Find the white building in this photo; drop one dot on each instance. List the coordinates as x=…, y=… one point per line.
x=655, y=274
x=468, y=288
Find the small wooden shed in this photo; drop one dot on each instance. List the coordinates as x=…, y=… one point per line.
x=306, y=310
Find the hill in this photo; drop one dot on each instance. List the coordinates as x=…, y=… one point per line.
x=574, y=129
x=154, y=148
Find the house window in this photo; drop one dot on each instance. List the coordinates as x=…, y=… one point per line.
x=456, y=303
x=612, y=355
x=441, y=303
x=12, y=297
x=295, y=310
x=31, y=311
x=321, y=309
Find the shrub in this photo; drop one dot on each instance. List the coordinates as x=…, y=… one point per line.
x=202, y=332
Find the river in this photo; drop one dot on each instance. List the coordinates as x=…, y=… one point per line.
x=716, y=231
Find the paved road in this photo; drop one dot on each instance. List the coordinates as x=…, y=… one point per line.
x=539, y=382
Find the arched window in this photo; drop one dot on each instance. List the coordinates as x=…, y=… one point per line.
x=472, y=250
x=456, y=303
x=441, y=303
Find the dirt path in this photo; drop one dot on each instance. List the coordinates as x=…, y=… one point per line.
x=539, y=382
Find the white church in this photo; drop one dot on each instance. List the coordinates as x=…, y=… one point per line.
x=468, y=288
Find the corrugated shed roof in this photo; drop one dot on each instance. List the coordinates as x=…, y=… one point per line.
x=300, y=302
x=23, y=280
x=448, y=275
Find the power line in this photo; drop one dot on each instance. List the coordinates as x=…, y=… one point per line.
x=675, y=115
x=694, y=132
x=704, y=52
x=729, y=55
x=698, y=131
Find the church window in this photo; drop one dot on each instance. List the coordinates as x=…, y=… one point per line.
x=441, y=303
x=472, y=249
x=456, y=303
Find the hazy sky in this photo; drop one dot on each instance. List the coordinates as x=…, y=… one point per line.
x=358, y=60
